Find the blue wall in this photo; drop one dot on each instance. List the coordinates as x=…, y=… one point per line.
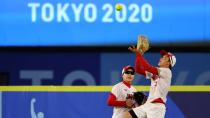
x=96, y=68
x=92, y=104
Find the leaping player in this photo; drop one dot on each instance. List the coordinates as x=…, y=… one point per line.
x=160, y=83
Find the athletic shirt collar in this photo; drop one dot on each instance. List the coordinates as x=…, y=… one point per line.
x=127, y=84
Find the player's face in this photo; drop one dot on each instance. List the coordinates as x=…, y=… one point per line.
x=128, y=75
x=164, y=61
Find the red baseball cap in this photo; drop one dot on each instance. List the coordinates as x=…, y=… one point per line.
x=126, y=68
x=170, y=55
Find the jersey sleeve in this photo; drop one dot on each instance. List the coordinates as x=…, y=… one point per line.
x=141, y=65
x=112, y=99
x=115, y=90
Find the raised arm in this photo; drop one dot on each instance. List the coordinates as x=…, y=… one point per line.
x=142, y=65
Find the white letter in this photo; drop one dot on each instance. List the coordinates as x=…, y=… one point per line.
x=79, y=75
x=122, y=15
x=146, y=13
x=61, y=12
x=45, y=17
x=108, y=8
x=135, y=11
x=33, y=10
x=77, y=11
x=87, y=13
x=36, y=76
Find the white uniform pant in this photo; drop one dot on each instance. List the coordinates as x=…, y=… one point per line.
x=150, y=110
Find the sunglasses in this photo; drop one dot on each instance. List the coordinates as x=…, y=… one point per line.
x=129, y=72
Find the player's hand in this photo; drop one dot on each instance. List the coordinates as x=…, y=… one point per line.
x=149, y=75
x=132, y=48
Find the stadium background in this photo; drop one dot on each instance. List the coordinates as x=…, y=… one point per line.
x=66, y=54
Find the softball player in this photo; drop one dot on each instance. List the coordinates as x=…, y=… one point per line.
x=160, y=83
x=119, y=96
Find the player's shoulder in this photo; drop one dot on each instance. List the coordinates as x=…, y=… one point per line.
x=118, y=85
x=165, y=72
x=164, y=69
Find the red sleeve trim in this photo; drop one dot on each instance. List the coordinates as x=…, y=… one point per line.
x=142, y=65
x=112, y=101
x=158, y=100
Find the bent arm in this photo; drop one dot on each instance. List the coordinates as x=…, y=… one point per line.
x=112, y=101
x=142, y=65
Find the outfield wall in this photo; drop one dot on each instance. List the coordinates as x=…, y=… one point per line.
x=90, y=101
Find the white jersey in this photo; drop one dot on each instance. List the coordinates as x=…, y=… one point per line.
x=160, y=85
x=121, y=91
